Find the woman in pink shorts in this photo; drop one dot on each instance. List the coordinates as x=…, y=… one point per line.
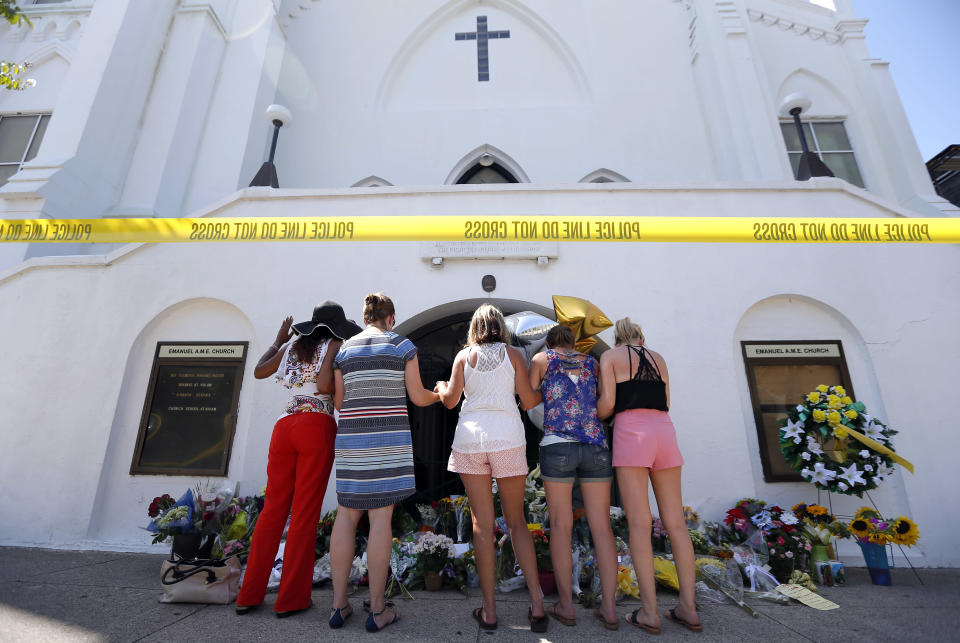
x=635, y=386
x=490, y=443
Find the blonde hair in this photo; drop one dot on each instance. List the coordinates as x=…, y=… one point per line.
x=626, y=332
x=376, y=307
x=487, y=326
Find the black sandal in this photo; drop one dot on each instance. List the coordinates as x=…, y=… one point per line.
x=538, y=624
x=478, y=617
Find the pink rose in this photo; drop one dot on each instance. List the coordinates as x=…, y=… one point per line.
x=808, y=547
x=781, y=541
x=789, y=554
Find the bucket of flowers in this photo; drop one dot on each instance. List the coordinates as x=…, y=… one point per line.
x=435, y=554
x=784, y=539
x=541, y=546
x=874, y=532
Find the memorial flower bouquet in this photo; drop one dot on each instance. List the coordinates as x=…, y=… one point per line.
x=325, y=532
x=739, y=526
x=433, y=552
x=541, y=545
x=237, y=523
x=784, y=538
x=446, y=520
x=836, y=445
x=868, y=526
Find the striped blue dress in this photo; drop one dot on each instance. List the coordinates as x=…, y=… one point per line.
x=373, y=451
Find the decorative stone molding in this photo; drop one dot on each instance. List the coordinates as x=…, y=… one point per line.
x=730, y=18
x=692, y=43
x=814, y=33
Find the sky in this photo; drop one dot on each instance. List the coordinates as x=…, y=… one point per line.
x=918, y=39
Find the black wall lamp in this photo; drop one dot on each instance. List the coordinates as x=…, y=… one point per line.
x=810, y=164
x=278, y=116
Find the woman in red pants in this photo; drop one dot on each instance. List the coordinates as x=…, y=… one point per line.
x=300, y=457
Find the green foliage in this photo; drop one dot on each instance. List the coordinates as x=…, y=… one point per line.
x=12, y=13
x=10, y=76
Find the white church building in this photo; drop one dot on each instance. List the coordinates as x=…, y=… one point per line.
x=455, y=107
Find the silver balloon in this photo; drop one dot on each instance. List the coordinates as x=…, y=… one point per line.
x=528, y=331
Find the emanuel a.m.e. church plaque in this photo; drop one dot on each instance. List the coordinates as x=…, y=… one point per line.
x=190, y=411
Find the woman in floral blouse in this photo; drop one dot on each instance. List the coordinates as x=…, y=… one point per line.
x=574, y=446
x=300, y=457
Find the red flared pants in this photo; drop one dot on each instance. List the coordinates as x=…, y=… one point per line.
x=301, y=456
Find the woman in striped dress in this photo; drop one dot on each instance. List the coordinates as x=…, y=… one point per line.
x=374, y=372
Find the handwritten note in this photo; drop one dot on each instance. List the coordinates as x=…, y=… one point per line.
x=807, y=597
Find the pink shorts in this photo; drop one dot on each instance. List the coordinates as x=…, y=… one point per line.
x=645, y=438
x=497, y=464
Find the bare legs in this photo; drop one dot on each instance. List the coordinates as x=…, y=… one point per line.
x=596, y=498
x=511, y=501
x=666, y=487
x=378, y=556
x=479, y=492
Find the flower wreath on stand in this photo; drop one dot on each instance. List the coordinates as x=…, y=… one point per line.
x=833, y=443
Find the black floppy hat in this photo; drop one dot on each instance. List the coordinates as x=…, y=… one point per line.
x=330, y=315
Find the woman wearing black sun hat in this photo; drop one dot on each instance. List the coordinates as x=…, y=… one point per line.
x=300, y=456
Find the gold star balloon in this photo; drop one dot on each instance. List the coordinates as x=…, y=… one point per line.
x=583, y=318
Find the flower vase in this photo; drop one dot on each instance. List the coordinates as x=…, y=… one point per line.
x=548, y=582
x=818, y=554
x=193, y=546
x=432, y=581
x=877, y=564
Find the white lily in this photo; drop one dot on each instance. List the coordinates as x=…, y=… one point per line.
x=852, y=475
x=793, y=430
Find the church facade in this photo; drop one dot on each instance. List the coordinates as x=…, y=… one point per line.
x=457, y=107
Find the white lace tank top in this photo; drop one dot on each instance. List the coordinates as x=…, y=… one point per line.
x=489, y=418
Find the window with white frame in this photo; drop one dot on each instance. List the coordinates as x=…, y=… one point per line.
x=829, y=141
x=20, y=136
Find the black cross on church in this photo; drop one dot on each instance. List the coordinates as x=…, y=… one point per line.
x=481, y=35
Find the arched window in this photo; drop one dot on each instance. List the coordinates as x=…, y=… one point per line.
x=480, y=173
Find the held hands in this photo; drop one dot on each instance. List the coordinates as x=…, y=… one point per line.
x=284, y=334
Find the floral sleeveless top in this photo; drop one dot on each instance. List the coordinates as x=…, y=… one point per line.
x=301, y=377
x=570, y=403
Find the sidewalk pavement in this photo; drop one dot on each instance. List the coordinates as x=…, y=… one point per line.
x=53, y=595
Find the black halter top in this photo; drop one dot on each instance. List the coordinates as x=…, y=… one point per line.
x=646, y=389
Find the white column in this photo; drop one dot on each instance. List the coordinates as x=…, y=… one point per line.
x=735, y=99
x=177, y=112
x=82, y=162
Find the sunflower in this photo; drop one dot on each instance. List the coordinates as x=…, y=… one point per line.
x=817, y=510
x=860, y=528
x=878, y=538
x=905, y=532
x=865, y=512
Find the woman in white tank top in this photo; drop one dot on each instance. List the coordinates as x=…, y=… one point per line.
x=489, y=443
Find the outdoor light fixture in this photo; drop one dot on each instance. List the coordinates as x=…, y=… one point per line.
x=810, y=164
x=486, y=160
x=278, y=116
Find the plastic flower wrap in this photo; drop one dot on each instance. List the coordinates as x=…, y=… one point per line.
x=461, y=508
x=178, y=519
x=726, y=580
x=358, y=570
x=321, y=569
x=428, y=516
x=627, y=582
x=402, y=560
x=691, y=517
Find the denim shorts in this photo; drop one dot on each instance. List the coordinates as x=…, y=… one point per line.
x=567, y=461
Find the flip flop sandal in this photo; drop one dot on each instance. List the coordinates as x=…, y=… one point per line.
x=538, y=624
x=615, y=625
x=631, y=618
x=569, y=622
x=371, y=623
x=693, y=627
x=478, y=617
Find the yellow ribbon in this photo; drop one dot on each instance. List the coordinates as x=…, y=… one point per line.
x=879, y=448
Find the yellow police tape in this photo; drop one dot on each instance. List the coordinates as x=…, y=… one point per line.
x=485, y=228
